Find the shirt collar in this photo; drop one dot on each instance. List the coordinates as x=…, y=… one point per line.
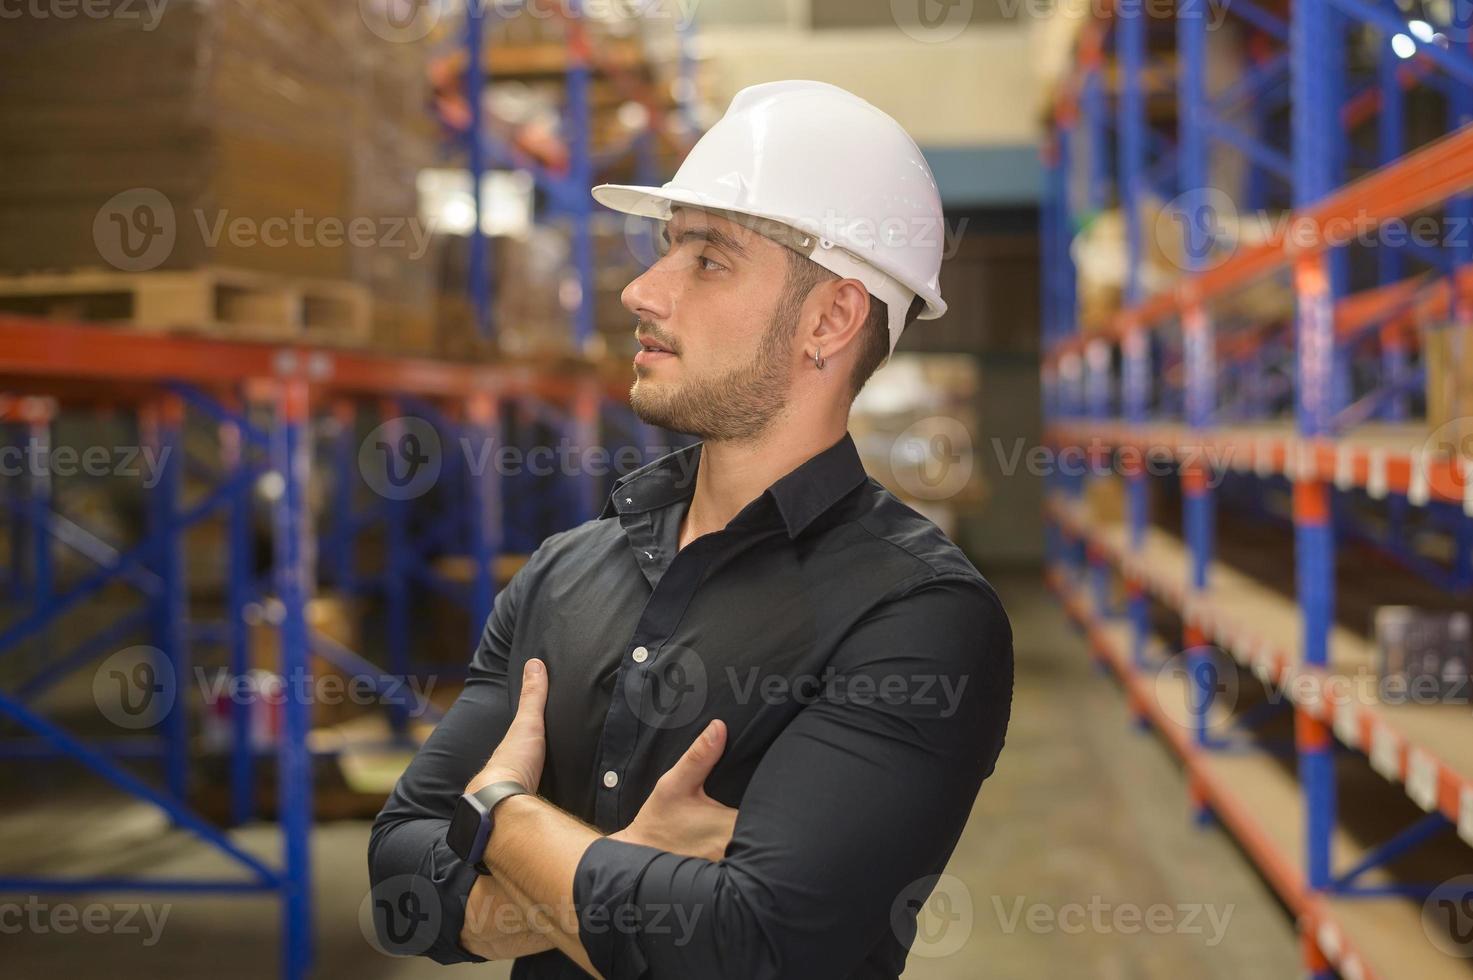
x=801, y=495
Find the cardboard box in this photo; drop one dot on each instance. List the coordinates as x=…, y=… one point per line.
x=269, y=127
x=1425, y=656
x=333, y=698
x=1448, y=356
x=1104, y=496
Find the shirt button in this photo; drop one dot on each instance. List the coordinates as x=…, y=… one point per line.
x=641, y=654
x=611, y=779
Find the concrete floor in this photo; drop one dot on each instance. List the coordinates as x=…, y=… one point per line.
x=1080, y=861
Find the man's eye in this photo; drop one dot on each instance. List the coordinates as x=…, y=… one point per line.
x=708, y=265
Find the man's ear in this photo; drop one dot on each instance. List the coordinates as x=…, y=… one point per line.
x=843, y=309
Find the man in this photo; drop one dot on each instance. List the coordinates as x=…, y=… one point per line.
x=736, y=724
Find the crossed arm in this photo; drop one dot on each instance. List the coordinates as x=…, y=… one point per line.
x=479, y=917
x=852, y=808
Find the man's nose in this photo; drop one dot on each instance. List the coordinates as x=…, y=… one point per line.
x=649, y=296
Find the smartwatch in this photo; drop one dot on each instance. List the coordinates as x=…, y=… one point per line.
x=471, y=823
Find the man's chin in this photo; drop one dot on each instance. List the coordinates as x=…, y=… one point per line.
x=651, y=404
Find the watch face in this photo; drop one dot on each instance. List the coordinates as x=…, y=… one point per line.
x=465, y=822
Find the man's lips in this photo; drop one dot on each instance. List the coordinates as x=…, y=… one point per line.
x=648, y=356
x=649, y=344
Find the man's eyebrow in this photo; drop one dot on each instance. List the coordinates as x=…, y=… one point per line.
x=714, y=236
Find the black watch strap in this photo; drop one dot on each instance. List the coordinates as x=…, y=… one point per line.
x=492, y=796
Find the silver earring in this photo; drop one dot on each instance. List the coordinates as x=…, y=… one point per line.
x=818, y=359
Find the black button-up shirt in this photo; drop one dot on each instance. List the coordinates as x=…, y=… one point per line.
x=862, y=665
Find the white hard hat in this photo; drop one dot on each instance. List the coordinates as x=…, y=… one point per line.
x=815, y=158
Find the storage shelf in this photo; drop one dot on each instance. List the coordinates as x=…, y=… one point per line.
x=1152, y=356
x=1422, y=178
x=34, y=348
x=1425, y=748
x=1381, y=458
x=1259, y=801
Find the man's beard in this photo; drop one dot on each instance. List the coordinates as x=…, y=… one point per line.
x=736, y=407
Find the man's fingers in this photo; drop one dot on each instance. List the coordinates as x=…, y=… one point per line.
x=691, y=769
x=533, y=701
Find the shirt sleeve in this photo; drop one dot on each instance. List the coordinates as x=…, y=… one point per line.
x=420, y=886
x=861, y=798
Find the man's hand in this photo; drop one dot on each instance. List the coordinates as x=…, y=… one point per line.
x=496, y=926
x=678, y=816
x=520, y=755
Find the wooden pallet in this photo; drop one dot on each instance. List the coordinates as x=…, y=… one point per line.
x=227, y=302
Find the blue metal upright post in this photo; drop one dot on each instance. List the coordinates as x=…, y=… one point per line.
x=291, y=459
x=16, y=513
x=475, y=86
x=1315, y=121
x=1198, y=337
x=395, y=577
x=483, y=506
x=165, y=421
x=1130, y=41
x=583, y=423
x=1460, y=114
x=239, y=576
x=38, y=505
x=580, y=174
x=342, y=555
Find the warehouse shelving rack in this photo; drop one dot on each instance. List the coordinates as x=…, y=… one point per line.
x=566, y=191
x=1210, y=409
x=273, y=410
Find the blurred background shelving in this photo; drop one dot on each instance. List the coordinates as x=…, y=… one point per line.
x=1267, y=382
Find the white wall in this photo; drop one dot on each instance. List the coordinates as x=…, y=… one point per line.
x=977, y=89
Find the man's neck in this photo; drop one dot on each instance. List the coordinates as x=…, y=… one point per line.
x=731, y=475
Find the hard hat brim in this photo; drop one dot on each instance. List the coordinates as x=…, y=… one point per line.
x=649, y=202
x=659, y=202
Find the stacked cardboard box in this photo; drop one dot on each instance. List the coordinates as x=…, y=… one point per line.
x=1425, y=655
x=1448, y=356
x=261, y=131
x=918, y=432
x=535, y=294
x=227, y=109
